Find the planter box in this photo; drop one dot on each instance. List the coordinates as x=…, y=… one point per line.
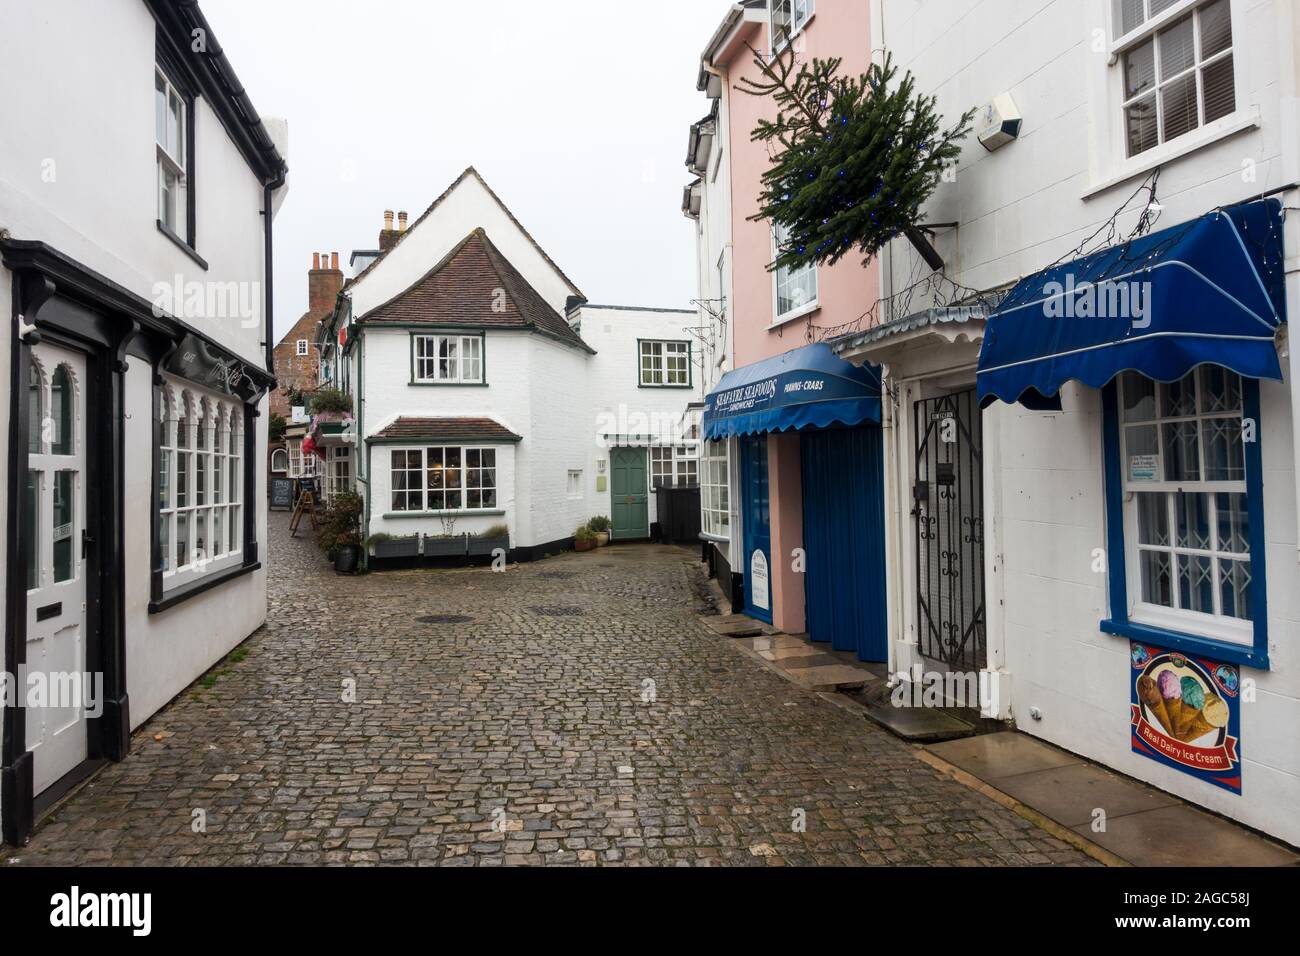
x=444, y=547
x=398, y=548
x=480, y=546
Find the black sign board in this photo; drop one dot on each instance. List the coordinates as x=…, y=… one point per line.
x=196, y=360
x=281, y=494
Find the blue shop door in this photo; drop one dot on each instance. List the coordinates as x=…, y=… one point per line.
x=758, y=528
x=844, y=540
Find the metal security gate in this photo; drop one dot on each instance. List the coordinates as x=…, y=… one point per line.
x=949, y=514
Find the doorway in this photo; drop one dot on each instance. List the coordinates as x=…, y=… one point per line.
x=756, y=492
x=54, y=539
x=630, y=494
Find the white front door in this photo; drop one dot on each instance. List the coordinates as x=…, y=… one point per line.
x=56, y=568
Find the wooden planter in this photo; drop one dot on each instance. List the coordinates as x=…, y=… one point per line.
x=584, y=545
x=485, y=546
x=398, y=548
x=445, y=547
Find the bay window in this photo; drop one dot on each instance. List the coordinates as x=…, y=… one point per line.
x=443, y=478
x=715, y=491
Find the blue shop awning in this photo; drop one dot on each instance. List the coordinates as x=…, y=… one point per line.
x=808, y=388
x=1207, y=292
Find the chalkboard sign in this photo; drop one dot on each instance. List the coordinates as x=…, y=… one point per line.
x=281, y=494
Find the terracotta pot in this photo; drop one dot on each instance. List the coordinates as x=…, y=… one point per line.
x=602, y=538
x=584, y=545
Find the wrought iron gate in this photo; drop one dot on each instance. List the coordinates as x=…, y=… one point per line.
x=949, y=512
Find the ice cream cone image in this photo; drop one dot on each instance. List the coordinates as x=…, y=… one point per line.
x=1171, y=689
x=1193, y=703
x=1149, y=694
x=1213, y=717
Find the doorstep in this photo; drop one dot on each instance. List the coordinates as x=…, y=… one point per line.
x=1143, y=826
x=813, y=666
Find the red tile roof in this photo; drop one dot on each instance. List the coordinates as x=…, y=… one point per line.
x=446, y=429
x=465, y=289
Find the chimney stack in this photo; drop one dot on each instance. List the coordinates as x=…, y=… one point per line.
x=324, y=282
x=401, y=221
x=388, y=236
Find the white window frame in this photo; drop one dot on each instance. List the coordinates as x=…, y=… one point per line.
x=715, y=491
x=800, y=13
x=217, y=468
x=302, y=347
x=172, y=161
x=681, y=463
x=283, y=454
x=465, y=367
x=667, y=359
x=1215, y=626
x=338, y=471
x=788, y=277
x=300, y=465
x=575, y=484
x=465, y=488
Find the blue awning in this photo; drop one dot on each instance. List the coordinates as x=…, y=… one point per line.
x=808, y=388
x=1210, y=291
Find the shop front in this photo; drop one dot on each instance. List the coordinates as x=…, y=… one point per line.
x=806, y=430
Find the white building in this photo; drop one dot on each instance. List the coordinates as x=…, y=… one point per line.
x=486, y=389
x=136, y=199
x=1077, y=557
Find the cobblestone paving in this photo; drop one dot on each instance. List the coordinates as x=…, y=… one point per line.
x=521, y=737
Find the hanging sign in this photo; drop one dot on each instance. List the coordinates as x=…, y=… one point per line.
x=198, y=362
x=1186, y=713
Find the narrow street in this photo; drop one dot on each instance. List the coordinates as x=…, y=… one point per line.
x=528, y=732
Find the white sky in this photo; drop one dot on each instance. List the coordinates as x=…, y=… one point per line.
x=576, y=113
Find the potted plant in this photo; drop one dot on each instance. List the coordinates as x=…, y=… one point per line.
x=584, y=539
x=448, y=544
x=387, y=546
x=600, y=526
x=330, y=400
x=339, y=535
x=494, y=538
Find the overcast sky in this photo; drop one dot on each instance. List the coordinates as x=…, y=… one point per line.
x=576, y=113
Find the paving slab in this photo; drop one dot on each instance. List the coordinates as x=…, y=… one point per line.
x=1070, y=794
x=920, y=724
x=787, y=653
x=745, y=628
x=831, y=677
x=995, y=756
x=1186, y=837
x=770, y=642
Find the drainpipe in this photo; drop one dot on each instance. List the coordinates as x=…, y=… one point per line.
x=268, y=193
x=1291, y=250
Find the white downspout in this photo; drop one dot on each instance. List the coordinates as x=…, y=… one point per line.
x=1289, y=119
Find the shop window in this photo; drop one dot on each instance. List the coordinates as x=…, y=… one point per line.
x=715, y=491
x=443, y=478
x=1185, y=465
x=199, y=484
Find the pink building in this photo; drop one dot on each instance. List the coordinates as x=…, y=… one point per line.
x=786, y=539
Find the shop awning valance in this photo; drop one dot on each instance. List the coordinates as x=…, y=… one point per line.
x=1209, y=291
x=808, y=388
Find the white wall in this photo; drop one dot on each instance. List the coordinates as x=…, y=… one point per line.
x=1020, y=209
x=619, y=405
x=78, y=172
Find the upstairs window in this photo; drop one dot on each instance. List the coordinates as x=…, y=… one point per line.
x=788, y=18
x=1177, y=70
x=171, y=134
x=666, y=364
x=796, y=288
x=302, y=346
x=447, y=359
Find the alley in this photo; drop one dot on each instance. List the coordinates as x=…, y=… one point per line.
x=573, y=710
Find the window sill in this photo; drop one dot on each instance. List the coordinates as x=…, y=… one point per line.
x=1238, y=654
x=714, y=538
x=481, y=513
x=416, y=383
x=667, y=387
x=184, y=246
x=796, y=315
x=182, y=594
x=1244, y=119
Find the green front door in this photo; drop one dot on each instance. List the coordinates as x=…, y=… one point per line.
x=630, y=491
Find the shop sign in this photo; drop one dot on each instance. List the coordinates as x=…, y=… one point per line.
x=1186, y=713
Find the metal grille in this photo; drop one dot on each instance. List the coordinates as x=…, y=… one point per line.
x=444, y=619
x=949, y=514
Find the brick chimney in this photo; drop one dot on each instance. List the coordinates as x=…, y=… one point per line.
x=324, y=282
x=388, y=235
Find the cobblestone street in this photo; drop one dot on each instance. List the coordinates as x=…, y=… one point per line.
x=520, y=735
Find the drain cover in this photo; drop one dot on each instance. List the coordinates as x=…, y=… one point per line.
x=557, y=610
x=444, y=619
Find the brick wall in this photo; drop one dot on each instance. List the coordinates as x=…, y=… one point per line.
x=296, y=372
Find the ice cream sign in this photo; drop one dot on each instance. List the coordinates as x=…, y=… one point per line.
x=1186, y=713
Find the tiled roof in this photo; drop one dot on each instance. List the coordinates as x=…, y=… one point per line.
x=463, y=290
x=471, y=171
x=446, y=429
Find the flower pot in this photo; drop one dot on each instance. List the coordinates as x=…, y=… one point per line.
x=602, y=538
x=347, y=558
x=584, y=545
x=486, y=546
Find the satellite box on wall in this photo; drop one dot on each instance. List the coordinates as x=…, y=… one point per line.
x=999, y=123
